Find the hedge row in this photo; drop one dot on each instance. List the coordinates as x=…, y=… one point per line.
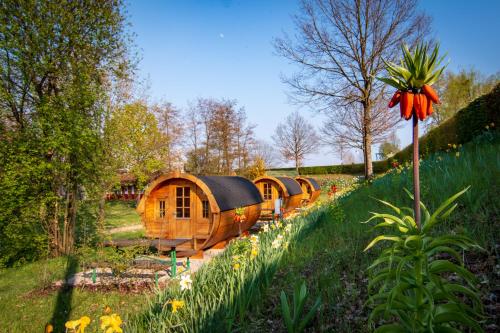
x=465, y=125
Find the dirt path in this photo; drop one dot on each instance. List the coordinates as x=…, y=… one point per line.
x=133, y=227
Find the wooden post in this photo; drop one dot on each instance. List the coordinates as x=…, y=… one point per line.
x=416, y=171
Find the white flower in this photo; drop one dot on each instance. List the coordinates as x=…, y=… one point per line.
x=277, y=242
x=265, y=228
x=254, y=239
x=186, y=282
x=288, y=228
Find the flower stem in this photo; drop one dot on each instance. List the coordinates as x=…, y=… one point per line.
x=416, y=171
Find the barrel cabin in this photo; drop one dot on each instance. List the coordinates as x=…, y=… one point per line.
x=310, y=189
x=197, y=212
x=284, y=188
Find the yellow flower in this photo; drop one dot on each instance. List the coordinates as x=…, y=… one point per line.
x=72, y=324
x=111, y=324
x=454, y=146
x=254, y=253
x=80, y=324
x=236, y=266
x=457, y=154
x=176, y=304
x=107, y=309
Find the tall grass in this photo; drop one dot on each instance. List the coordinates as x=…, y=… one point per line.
x=326, y=250
x=227, y=290
x=331, y=257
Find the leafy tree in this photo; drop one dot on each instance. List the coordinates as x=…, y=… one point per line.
x=137, y=143
x=58, y=60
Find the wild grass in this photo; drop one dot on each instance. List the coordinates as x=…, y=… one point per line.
x=326, y=251
x=228, y=291
x=331, y=258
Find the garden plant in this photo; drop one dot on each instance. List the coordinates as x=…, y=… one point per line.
x=417, y=276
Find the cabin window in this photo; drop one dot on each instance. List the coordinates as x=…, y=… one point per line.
x=267, y=191
x=204, y=206
x=183, y=202
x=162, y=208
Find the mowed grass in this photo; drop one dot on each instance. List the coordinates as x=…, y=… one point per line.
x=120, y=213
x=331, y=259
x=26, y=305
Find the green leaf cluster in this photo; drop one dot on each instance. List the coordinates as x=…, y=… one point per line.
x=296, y=319
x=419, y=283
x=415, y=69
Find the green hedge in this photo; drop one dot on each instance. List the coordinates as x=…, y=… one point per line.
x=465, y=125
x=351, y=169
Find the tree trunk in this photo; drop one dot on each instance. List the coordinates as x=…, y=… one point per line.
x=367, y=143
x=297, y=165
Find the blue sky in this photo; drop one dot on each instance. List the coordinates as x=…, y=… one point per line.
x=223, y=49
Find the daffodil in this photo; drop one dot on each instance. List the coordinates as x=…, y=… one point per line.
x=111, y=324
x=236, y=266
x=176, y=304
x=254, y=253
x=79, y=325
x=186, y=282
x=265, y=228
x=288, y=228
x=254, y=239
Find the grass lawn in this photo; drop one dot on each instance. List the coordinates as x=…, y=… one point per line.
x=120, y=213
x=26, y=307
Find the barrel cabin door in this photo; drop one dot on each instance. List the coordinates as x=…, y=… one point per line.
x=270, y=192
x=182, y=204
x=306, y=190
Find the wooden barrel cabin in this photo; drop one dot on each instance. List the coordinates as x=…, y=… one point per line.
x=198, y=209
x=310, y=189
x=284, y=188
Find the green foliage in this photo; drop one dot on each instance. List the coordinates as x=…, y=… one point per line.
x=415, y=290
x=416, y=69
x=58, y=60
x=296, y=320
x=135, y=141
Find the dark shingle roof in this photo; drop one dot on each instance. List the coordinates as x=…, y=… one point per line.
x=314, y=183
x=292, y=186
x=231, y=191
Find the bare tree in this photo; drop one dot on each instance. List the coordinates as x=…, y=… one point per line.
x=339, y=47
x=172, y=127
x=345, y=128
x=295, y=139
x=266, y=152
x=220, y=137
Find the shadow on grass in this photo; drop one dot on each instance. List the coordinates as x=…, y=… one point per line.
x=62, y=309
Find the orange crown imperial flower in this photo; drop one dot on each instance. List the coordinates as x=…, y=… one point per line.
x=413, y=79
